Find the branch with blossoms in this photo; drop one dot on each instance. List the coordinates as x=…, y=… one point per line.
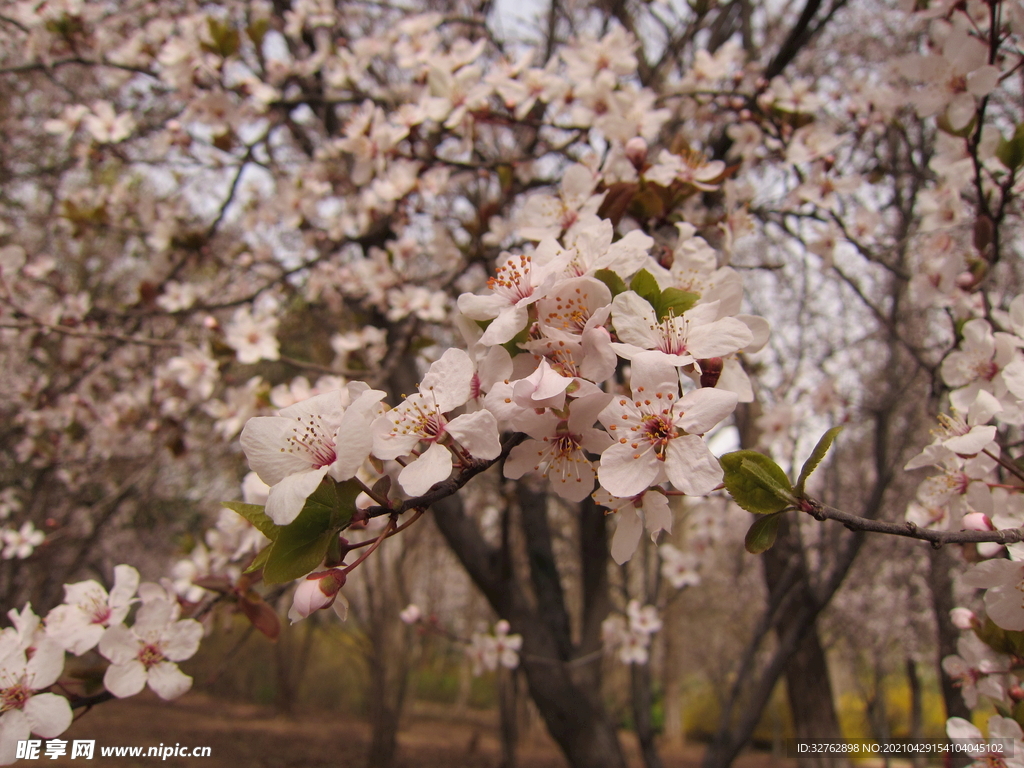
x=451, y=486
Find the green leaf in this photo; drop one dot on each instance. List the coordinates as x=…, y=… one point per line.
x=260, y=560
x=1011, y=151
x=225, y=38
x=816, y=456
x=756, y=483
x=293, y=557
x=512, y=345
x=761, y=535
x=302, y=544
x=346, y=495
x=254, y=514
x=646, y=286
x=770, y=481
x=615, y=283
x=997, y=638
x=674, y=301
x=258, y=30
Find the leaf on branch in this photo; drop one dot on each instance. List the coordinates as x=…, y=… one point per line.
x=674, y=301
x=617, y=200
x=756, y=483
x=816, y=456
x=254, y=514
x=615, y=283
x=260, y=560
x=644, y=284
x=302, y=544
x=761, y=535
x=1001, y=640
x=225, y=40
x=1011, y=151
x=295, y=554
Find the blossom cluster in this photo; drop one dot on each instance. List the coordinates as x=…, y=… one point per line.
x=488, y=651
x=146, y=653
x=630, y=636
x=548, y=337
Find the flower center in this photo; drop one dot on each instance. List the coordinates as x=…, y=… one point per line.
x=658, y=431
x=673, y=335
x=312, y=438
x=418, y=417
x=150, y=655
x=512, y=281
x=101, y=615
x=14, y=697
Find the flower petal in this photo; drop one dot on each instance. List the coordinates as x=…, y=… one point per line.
x=691, y=467
x=124, y=680
x=287, y=498
x=48, y=714
x=180, y=641
x=167, y=681
x=477, y=432
x=625, y=472
x=628, y=528
x=119, y=645
x=433, y=466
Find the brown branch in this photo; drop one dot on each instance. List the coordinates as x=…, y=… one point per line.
x=449, y=487
x=46, y=67
x=98, y=335
x=823, y=512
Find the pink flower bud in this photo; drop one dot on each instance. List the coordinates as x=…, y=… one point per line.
x=318, y=590
x=976, y=521
x=411, y=614
x=963, y=618
x=1016, y=693
x=636, y=151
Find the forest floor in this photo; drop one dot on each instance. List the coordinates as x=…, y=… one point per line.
x=248, y=736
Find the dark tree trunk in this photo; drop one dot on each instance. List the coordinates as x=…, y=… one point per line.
x=508, y=704
x=808, y=684
x=388, y=659
x=642, y=699
x=940, y=580
x=567, y=694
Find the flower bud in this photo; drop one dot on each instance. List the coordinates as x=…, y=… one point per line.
x=963, y=618
x=412, y=614
x=1016, y=693
x=976, y=521
x=710, y=371
x=636, y=151
x=316, y=591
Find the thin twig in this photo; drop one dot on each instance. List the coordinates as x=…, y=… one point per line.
x=822, y=512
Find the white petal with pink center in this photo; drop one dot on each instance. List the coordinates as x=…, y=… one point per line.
x=88, y=610
x=146, y=653
x=519, y=281
x=657, y=433
x=294, y=451
x=23, y=709
x=558, y=445
x=694, y=335
x=421, y=418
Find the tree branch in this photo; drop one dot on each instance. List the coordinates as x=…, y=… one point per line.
x=823, y=512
